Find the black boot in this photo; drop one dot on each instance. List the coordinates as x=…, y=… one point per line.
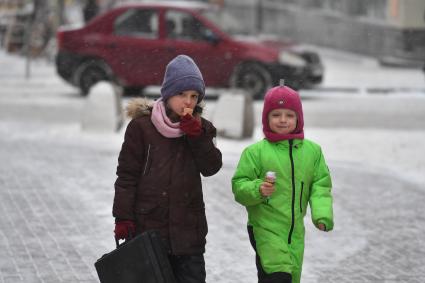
x=263, y=277
x=277, y=277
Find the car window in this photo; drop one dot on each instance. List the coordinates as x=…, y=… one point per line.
x=182, y=25
x=226, y=21
x=137, y=23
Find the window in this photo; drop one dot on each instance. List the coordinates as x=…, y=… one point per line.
x=358, y=8
x=378, y=9
x=313, y=3
x=181, y=25
x=375, y=9
x=226, y=21
x=336, y=5
x=288, y=1
x=138, y=23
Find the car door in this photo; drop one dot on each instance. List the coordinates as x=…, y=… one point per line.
x=135, y=46
x=188, y=34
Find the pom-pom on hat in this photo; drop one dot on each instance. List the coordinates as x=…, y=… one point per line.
x=283, y=97
x=182, y=74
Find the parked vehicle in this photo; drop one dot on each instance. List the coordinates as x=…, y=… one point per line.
x=132, y=44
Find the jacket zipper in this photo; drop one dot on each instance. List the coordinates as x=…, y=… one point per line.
x=293, y=192
x=301, y=197
x=147, y=159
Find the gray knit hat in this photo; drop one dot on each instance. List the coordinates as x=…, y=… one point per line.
x=182, y=74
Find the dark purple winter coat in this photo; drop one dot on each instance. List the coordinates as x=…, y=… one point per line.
x=159, y=182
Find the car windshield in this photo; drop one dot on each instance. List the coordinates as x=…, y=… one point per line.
x=225, y=21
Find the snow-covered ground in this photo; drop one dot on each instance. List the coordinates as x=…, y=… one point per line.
x=385, y=135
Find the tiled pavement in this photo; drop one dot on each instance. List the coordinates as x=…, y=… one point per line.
x=56, y=193
x=51, y=201
x=382, y=218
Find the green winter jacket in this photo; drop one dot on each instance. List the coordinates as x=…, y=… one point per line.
x=302, y=177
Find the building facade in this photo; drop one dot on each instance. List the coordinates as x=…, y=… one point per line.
x=391, y=30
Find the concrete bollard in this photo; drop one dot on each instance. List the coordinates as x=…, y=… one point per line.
x=103, y=109
x=234, y=114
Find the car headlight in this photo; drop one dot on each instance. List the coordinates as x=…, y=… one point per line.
x=291, y=59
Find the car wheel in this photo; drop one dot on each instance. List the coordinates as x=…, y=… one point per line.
x=253, y=78
x=89, y=74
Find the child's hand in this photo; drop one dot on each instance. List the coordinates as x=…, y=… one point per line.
x=123, y=229
x=190, y=125
x=266, y=189
x=321, y=227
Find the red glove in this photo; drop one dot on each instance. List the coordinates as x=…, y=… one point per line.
x=122, y=229
x=190, y=125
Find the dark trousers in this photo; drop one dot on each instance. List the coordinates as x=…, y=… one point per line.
x=263, y=277
x=188, y=268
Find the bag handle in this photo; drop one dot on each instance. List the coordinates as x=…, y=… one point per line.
x=130, y=236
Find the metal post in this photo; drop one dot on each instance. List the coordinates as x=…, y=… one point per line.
x=259, y=14
x=27, y=41
x=61, y=10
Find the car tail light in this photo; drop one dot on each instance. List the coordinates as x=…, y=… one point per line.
x=60, y=38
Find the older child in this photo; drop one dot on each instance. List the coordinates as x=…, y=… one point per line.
x=276, y=209
x=166, y=148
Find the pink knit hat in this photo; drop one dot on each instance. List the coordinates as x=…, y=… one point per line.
x=283, y=97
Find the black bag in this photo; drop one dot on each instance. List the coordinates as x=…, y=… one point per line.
x=141, y=259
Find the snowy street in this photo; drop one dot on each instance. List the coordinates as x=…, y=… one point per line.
x=56, y=181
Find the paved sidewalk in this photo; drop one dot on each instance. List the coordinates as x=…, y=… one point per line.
x=54, y=195
x=56, y=191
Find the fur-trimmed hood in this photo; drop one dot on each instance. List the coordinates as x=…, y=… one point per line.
x=138, y=107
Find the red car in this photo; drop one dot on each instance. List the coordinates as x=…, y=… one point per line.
x=132, y=44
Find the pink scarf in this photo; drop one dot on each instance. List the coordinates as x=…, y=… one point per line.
x=162, y=123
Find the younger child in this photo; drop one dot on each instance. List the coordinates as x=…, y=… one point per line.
x=276, y=209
